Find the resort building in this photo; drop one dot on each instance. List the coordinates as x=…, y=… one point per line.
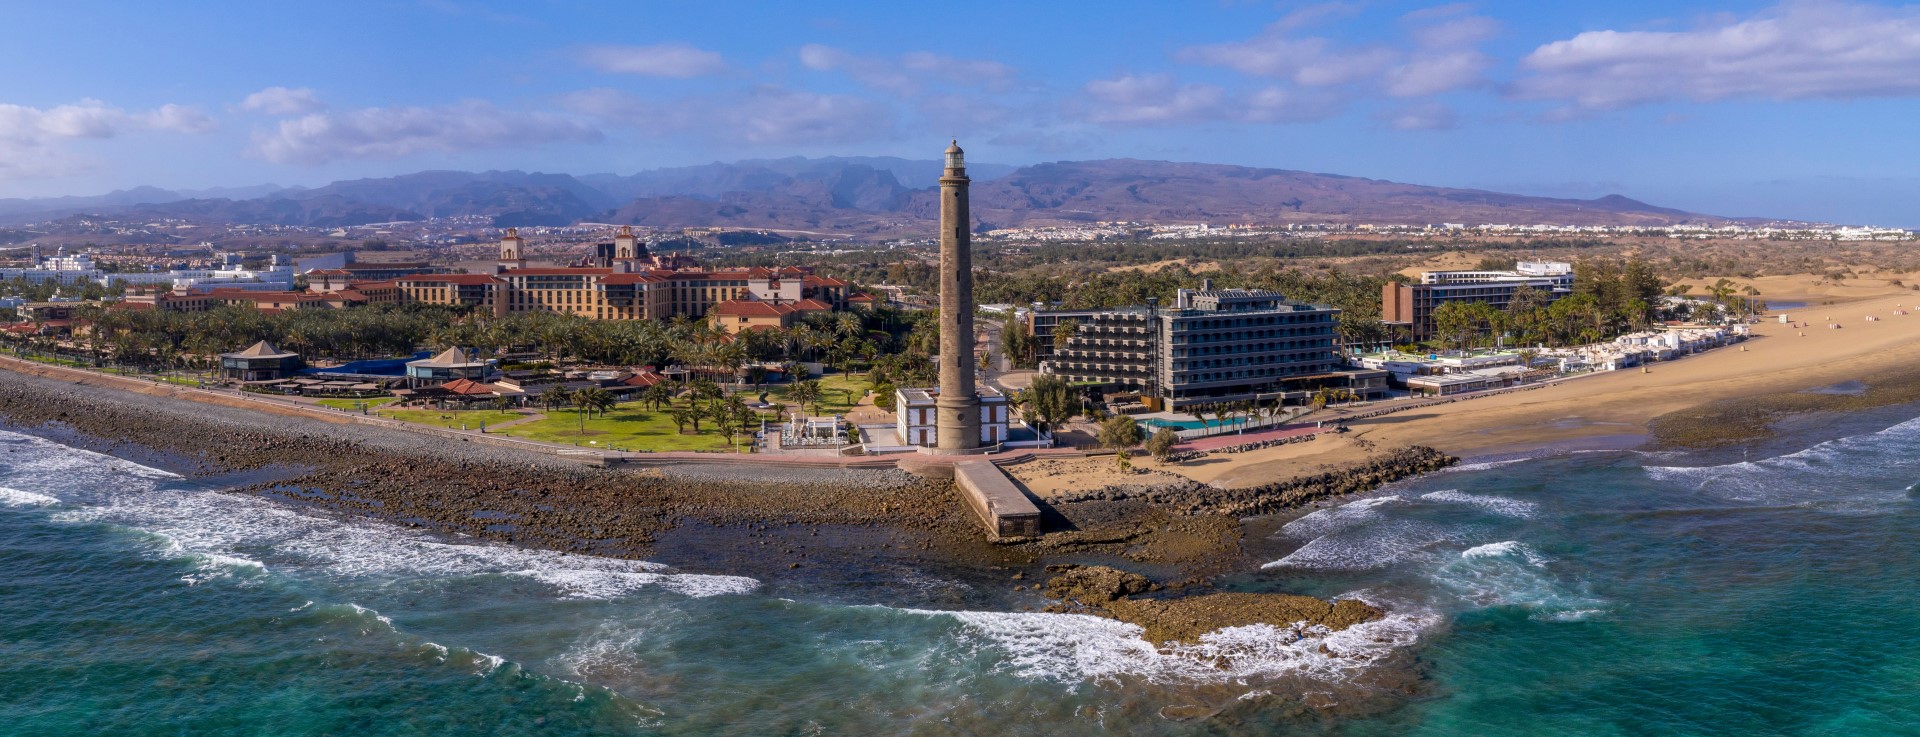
x=1212, y=346
x=451, y=364
x=625, y=286
x=1412, y=305
x=259, y=362
x=350, y=270
x=916, y=418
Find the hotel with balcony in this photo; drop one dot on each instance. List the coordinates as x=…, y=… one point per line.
x=1211, y=346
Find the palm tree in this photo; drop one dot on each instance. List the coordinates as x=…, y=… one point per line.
x=589, y=400
x=555, y=397
x=657, y=396
x=807, y=392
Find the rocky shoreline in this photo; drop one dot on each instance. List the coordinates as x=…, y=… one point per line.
x=763, y=521
x=1195, y=498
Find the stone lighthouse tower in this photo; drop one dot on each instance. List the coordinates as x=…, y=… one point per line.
x=957, y=410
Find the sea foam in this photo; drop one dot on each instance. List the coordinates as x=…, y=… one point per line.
x=18, y=498
x=1078, y=647
x=1499, y=505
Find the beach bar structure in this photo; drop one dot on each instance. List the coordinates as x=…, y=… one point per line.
x=451, y=364
x=259, y=362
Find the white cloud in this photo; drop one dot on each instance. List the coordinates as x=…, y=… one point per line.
x=31, y=138
x=1433, y=74
x=675, y=60
x=1156, y=99
x=1153, y=99
x=283, y=101
x=1798, y=50
x=1441, y=54
x=179, y=119
x=910, y=73
x=389, y=133
x=87, y=118
x=765, y=115
x=1427, y=116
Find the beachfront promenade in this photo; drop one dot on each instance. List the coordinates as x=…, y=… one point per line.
x=1325, y=421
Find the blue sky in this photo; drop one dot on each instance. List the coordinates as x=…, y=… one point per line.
x=1802, y=109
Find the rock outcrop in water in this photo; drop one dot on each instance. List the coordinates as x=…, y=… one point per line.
x=1113, y=593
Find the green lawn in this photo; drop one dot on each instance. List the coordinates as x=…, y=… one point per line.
x=471, y=418
x=628, y=427
x=835, y=402
x=354, y=404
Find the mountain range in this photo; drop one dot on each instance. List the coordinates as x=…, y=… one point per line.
x=856, y=195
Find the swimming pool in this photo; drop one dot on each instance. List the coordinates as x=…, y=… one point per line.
x=1180, y=424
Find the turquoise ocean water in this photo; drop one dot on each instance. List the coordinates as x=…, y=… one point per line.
x=1614, y=593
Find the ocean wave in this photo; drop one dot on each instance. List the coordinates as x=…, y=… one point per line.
x=200, y=523
x=1077, y=647
x=1508, y=547
x=213, y=566
x=18, y=498
x=1815, y=477
x=608, y=650
x=1499, y=505
x=1373, y=546
x=574, y=583
x=1484, y=465
x=1334, y=519
x=1512, y=573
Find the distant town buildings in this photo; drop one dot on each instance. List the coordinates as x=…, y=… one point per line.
x=1107, y=231
x=230, y=273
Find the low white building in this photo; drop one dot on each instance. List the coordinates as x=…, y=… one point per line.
x=913, y=410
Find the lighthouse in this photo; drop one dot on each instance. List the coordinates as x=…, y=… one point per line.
x=957, y=409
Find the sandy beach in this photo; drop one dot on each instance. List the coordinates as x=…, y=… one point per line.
x=1779, y=358
x=1610, y=410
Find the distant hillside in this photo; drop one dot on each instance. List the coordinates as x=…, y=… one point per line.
x=1168, y=192
x=1128, y=190
x=865, y=195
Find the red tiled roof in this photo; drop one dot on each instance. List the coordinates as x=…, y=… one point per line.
x=452, y=278
x=468, y=387
x=251, y=296
x=811, y=305
x=560, y=271
x=822, y=281
x=750, y=308
x=646, y=378
x=633, y=279
x=860, y=297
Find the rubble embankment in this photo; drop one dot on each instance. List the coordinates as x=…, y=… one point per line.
x=1195, y=498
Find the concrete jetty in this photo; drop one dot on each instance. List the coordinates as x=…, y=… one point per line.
x=1001, y=506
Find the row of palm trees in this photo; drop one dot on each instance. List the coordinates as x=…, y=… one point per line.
x=585, y=401
x=706, y=401
x=158, y=339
